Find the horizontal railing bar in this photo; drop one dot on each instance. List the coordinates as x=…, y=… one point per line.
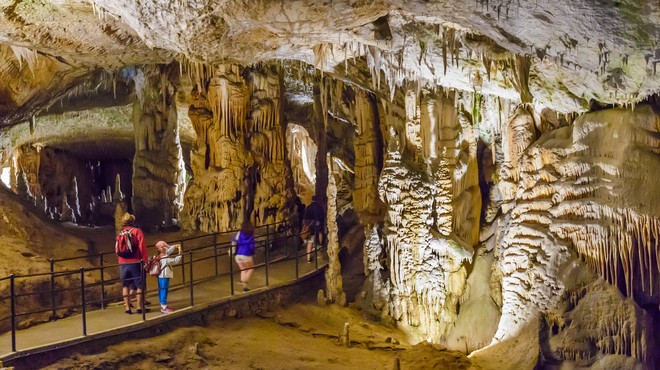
x=274, y=239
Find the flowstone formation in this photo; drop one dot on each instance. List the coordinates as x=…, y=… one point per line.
x=580, y=195
x=239, y=166
x=430, y=184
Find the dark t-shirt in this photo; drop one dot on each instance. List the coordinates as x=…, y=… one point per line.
x=314, y=212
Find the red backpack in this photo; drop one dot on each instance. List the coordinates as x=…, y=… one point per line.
x=154, y=267
x=124, y=246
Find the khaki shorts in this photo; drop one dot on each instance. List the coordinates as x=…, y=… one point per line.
x=242, y=259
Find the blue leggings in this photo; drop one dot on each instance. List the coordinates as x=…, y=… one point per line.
x=163, y=286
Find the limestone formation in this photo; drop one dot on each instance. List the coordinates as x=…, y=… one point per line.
x=239, y=167
x=333, y=276
x=158, y=173
x=302, y=156
x=434, y=206
x=490, y=164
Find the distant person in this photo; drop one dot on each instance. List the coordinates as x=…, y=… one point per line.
x=300, y=210
x=131, y=251
x=312, y=228
x=166, y=272
x=244, y=242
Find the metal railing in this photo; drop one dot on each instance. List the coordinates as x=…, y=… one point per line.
x=88, y=293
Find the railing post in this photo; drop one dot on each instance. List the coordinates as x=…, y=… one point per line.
x=183, y=265
x=267, y=237
x=12, y=293
x=267, y=254
x=286, y=244
x=316, y=248
x=231, y=269
x=102, y=280
x=215, y=254
x=192, y=301
x=297, y=258
x=83, y=301
x=143, y=306
x=53, y=315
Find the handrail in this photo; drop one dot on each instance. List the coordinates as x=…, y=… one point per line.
x=54, y=261
x=175, y=241
x=91, y=298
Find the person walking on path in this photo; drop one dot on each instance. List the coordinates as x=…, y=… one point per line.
x=244, y=243
x=131, y=266
x=312, y=230
x=165, y=252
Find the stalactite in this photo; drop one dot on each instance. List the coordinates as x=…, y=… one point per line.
x=243, y=133
x=574, y=190
x=430, y=185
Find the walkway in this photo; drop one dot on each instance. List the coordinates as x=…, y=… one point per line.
x=215, y=280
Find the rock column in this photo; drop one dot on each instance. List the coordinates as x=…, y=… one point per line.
x=158, y=171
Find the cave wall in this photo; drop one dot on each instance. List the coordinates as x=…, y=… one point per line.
x=566, y=205
x=239, y=162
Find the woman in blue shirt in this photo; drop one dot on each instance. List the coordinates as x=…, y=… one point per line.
x=244, y=242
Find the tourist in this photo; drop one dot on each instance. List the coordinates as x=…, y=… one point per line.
x=312, y=230
x=131, y=266
x=244, y=242
x=166, y=272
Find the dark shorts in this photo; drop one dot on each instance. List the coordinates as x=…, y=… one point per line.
x=131, y=275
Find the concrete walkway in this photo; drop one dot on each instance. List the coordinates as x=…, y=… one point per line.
x=282, y=269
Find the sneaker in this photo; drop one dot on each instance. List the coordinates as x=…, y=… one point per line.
x=246, y=289
x=167, y=309
x=128, y=312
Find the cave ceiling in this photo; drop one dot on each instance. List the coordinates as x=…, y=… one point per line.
x=578, y=52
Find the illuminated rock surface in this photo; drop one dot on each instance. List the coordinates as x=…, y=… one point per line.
x=492, y=165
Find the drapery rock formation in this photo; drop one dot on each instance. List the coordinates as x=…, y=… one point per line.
x=239, y=167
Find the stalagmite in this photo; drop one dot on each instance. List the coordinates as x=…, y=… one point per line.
x=333, y=278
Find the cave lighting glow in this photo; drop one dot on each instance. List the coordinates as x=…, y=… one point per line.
x=4, y=176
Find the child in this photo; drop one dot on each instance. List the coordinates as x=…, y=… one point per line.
x=166, y=263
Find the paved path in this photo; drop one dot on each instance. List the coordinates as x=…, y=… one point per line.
x=281, y=269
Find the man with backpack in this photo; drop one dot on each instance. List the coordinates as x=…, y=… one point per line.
x=131, y=251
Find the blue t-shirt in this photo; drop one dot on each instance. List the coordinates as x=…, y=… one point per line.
x=244, y=244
